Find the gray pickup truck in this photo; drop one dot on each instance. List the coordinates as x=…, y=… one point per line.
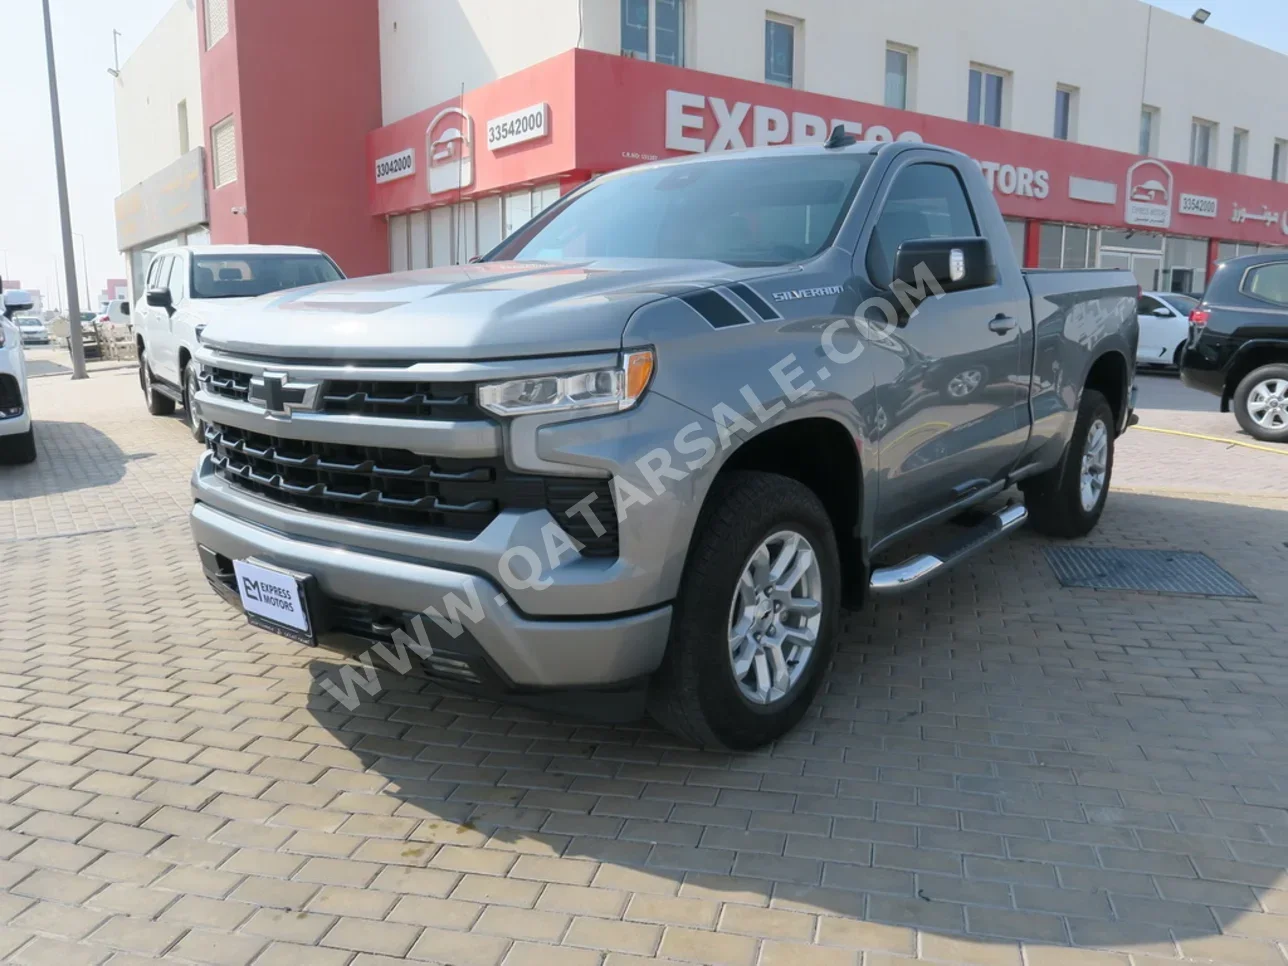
x=640, y=454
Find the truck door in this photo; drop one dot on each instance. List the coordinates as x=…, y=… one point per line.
x=952, y=385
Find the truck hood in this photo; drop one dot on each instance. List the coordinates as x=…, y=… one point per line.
x=488, y=310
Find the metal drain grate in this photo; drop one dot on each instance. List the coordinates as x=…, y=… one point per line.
x=1162, y=571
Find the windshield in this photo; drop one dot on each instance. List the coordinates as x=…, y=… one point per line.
x=1182, y=303
x=243, y=276
x=745, y=211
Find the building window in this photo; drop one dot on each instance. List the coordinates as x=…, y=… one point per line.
x=897, y=75
x=654, y=30
x=1202, y=143
x=223, y=150
x=1279, y=161
x=1148, y=131
x=1066, y=112
x=780, y=50
x=216, y=21
x=183, y=128
x=1066, y=246
x=1239, y=152
x=987, y=90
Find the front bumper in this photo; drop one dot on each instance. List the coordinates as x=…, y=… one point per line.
x=367, y=596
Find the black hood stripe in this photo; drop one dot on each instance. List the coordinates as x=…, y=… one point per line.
x=718, y=310
x=758, y=304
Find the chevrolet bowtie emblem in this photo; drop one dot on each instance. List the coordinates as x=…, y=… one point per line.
x=278, y=395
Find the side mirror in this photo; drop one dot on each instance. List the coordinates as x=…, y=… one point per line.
x=1162, y=313
x=16, y=300
x=160, y=298
x=948, y=264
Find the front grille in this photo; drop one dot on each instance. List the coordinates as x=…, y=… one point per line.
x=400, y=488
x=363, y=397
x=226, y=382
x=407, y=400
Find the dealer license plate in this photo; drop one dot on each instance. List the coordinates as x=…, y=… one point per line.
x=274, y=600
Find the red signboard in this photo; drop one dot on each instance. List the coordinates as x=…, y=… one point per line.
x=602, y=112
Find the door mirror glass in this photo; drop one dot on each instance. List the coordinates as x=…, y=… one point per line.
x=159, y=298
x=948, y=264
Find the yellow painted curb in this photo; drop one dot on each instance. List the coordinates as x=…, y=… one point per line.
x=1279, y=451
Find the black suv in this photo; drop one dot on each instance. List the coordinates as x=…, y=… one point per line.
x=1238, y=345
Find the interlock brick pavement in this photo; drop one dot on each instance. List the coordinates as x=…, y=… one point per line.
x=1001, y=770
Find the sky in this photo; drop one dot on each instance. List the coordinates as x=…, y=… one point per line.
x=30, y=243
x=30, y=239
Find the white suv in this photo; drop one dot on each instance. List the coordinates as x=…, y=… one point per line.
x=187, y=288
x=17, y=437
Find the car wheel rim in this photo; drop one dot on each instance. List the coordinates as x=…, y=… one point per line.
x=1095, y=464
x=1268, y=404
x=190, y=404
x=774, y=617
x=965, y=383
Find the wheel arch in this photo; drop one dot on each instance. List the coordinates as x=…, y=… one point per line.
x=1249, y=357
x=822, y=453
x=1110, y=375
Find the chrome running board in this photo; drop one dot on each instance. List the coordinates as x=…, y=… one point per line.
x=915, y=571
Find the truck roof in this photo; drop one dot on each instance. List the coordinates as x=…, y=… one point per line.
x=249, y=250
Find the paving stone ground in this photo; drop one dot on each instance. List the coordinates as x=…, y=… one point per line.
x=1001, y=771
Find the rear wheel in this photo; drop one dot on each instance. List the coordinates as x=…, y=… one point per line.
x=158, y=405
x=1261, y=403
x=754, y=623
x=1068, y=499
x=19, y=449
x=1178, y=356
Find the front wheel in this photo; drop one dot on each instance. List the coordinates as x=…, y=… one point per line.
x=1068, y=499
x=754, y=623
x=1261, y=403
x=196, y=426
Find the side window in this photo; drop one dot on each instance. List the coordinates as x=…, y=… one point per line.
x=1269, y=282
x=154, y=271
x=179, y=278
x=163, y=271
x=1146, y=305
x=926, y=201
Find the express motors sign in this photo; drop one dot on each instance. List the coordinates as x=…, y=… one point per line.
x=688, y=116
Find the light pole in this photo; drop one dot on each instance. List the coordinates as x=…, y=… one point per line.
x=64, y=210
x=89, y=299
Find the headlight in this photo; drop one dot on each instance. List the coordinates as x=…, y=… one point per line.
x=619, y=388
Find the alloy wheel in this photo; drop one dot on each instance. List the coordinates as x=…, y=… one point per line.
x=774, y=617
x=1095, y=464
x=1268, y=404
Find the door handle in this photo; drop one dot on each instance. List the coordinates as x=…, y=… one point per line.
x=1002, y=324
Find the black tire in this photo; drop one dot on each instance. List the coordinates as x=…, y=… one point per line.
x=18, y=450
x=695, y=694
x=195, y=424
x=1240, y=402
x=1054, y=499
x=1178, y=355
x=158, y=405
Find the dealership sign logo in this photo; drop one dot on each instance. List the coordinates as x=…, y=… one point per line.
x=1149, y=194
x=450, y=140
